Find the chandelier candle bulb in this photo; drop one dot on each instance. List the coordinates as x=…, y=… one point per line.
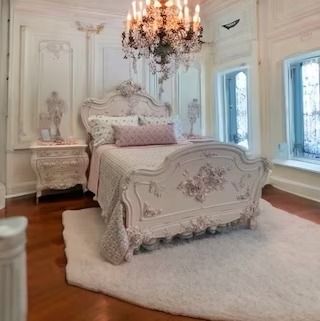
x=195, y=23
x=129, y=18
x=186, y=17
x=134, y=9
x=186, y=13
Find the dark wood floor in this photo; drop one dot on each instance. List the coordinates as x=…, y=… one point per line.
x=51, y=299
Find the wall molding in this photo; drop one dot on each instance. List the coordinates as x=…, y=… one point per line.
x=282, y=14
x=68, y=12
x=211, y=7
x=304, y=190
x=49, y=53
x=5, y=13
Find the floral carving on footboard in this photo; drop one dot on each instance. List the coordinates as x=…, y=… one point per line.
x=207, y=180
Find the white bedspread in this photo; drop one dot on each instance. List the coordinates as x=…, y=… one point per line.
x=110, y=165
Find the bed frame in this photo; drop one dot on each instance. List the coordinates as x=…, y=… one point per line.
x=200, y=188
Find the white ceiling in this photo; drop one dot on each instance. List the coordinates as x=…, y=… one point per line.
x=110, y=6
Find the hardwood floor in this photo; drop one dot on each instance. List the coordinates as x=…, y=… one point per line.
x=52, y=299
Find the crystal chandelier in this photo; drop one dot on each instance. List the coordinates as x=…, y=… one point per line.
x=165, y=33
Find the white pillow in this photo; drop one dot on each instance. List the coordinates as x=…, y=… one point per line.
x=101, y=127
x=152, y=120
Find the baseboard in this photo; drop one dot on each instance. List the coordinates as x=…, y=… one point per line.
x=297, y=188
x=20, y=194
x=21, y=189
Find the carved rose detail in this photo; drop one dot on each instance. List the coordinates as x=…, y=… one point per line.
x=148, y=211
x=136, y=237
x=129, y=88
x=250, y=211
x=242, y=187
x=156, y=189
x=207, y=180
x=209, y=154
x=198, y=224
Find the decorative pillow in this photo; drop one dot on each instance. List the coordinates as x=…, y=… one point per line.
x=144, y=135
x=151, y=120
x=101, y=127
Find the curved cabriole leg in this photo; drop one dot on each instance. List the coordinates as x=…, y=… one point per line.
x=129, y=254
x=252, y=223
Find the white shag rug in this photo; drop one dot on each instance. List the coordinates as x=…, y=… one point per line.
x=270, y=274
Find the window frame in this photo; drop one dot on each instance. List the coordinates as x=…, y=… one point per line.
x=290, y=104
x=222, y=102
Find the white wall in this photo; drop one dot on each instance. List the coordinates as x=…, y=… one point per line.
x=268, y=32
x=49, y=53
x=231, y=49
x=287, y=28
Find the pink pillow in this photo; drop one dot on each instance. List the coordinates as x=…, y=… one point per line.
x=144, y=135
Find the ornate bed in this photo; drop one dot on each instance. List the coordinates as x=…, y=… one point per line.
x=196, y=188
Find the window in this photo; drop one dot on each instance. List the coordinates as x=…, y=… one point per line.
x=304, y=104
x=236, y=113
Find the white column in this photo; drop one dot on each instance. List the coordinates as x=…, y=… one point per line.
x=13, y=287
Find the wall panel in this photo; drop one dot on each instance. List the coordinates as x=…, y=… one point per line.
x=232, y=48
x=50, y=53
x=287, y=28
x=54, y=48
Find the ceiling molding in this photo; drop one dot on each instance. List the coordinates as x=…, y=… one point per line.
x=213, y=6
x=67, y=10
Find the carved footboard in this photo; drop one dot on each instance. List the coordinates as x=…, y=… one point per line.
x=197, y=189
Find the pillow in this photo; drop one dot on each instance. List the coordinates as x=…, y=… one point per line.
x=144, y=135
x=152, y=120
x=101, y=127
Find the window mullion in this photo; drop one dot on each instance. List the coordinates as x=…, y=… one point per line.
x=232, y=111
x=297, y=85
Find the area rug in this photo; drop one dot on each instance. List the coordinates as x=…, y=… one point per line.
x=270, y=274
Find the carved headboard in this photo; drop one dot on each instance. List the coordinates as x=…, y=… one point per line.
x=128, y=99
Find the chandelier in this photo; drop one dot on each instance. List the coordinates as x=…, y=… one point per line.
x=165, y=33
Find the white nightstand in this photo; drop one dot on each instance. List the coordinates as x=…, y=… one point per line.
x=59, y=167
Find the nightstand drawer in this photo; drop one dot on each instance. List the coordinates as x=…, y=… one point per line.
x=59, y=167
x=59, y=153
